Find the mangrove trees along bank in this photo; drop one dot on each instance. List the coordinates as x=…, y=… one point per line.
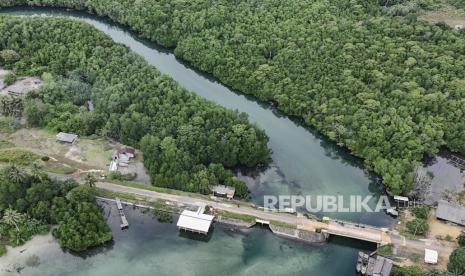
x=391, y=89
x=30, y=201
x=186, y=140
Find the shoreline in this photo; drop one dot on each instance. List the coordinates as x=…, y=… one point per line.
x=17, y=258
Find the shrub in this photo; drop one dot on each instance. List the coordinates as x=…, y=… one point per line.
x=8, y=124
x=409, y=271
x=461, y=239
x=385, y=250
x=10, y=79
x=421, y=212
x=163, y=216
x=418, y=226
x=457, y=261
x=448, y=237
x=17, y=156
x=2, y=250
x=45, y=158
x=8, y=56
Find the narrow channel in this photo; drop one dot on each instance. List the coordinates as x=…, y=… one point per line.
x=304, y=162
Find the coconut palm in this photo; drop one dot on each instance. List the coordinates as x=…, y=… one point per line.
x=15, y=174
x=12, y=217
x=36, y=171
x=90, y=180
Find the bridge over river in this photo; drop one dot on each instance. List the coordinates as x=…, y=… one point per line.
x=347, y=229
x=332, y=227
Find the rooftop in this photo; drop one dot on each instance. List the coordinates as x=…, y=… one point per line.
x=194, y=221
x=451, y=212
x=401, y=198
x=380, y=266
x=224, y=190
x=431, y=256
x=66, y=137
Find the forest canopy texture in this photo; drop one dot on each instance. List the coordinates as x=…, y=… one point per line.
x=187, y=141
x=391, y=89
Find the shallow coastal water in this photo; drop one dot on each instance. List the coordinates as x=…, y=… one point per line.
x=152, y=248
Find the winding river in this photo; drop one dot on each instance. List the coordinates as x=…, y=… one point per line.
x=304, y=163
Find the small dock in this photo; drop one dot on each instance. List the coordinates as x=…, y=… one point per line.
x=124, y=222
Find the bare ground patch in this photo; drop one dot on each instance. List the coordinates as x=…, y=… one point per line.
x=446, y=13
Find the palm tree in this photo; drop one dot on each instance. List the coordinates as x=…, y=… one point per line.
x=36, y=171
x=18, y=238
x=12, y=217
x=90, y=180
x=15, y=174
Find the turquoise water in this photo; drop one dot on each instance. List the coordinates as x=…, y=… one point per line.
x=152, y=248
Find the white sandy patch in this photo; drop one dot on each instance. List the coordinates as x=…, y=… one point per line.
x=74, y=154
x=17, y=256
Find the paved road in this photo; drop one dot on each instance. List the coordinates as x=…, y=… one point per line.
x=152, y=196
x=402, y=243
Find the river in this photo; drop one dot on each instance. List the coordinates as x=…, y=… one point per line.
x=304, y=163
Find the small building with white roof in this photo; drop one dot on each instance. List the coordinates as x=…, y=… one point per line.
x=195, y=221
x=431, y=256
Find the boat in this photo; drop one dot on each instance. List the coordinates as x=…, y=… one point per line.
x=359, y=262
x=393, y=212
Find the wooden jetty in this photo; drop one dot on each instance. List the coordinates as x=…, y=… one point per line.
x=124, y=222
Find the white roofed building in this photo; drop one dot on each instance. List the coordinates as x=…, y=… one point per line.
x=195, y=221
x=431, y=256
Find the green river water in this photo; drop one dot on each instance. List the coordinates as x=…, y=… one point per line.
x=304, y=163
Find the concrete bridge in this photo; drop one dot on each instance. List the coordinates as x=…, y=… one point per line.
x=357, y=231
x=347, y=229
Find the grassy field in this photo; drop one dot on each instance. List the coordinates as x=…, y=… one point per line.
x=18, y=156
x=87, y=154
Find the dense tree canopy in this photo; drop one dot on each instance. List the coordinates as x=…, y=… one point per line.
x=187, y=141
x=80, y=221
x=30, y=200
x=457, y=261
x=391, y=89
